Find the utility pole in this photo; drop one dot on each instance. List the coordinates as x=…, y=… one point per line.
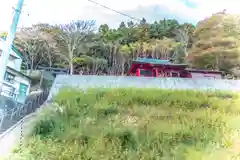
x=9, y=40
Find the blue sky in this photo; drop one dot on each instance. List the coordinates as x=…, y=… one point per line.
x=62, y=11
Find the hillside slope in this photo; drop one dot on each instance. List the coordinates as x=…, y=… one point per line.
x=134, y=124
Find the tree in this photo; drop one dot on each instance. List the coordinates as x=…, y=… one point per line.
x=36, y=49
x=122, y=25
x=104, y=32
x=183, y=36
x=109, y=51
x=216, y=43
x=71, y=39
x=163, y=28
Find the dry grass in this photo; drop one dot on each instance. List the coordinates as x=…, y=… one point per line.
x=149, y=124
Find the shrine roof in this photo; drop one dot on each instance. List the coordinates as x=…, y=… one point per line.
x=155, y=62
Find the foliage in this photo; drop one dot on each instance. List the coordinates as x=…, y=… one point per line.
x=36, y=50
x=67, y=45
x=213, y=44
x=123, y=124
x=216, y=43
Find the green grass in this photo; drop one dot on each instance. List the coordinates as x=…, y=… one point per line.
x=134, y=124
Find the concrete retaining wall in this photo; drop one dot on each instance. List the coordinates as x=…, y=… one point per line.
x=84, y=82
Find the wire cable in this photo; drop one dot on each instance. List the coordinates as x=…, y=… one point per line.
x=123, y=14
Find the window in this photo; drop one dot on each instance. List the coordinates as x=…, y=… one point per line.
x=9, y=77
x=145, y=73
x=11, y=58
x=174, y=74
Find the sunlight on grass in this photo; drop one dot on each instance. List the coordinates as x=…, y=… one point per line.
x=134, y=124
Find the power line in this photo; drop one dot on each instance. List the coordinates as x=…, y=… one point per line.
x=124, y=14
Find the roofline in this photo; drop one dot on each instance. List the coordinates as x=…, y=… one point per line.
x=17, y=51
x=167, y=64
x=14, y=56
x=19, y=73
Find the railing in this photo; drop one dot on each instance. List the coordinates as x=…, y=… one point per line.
x=10, y=117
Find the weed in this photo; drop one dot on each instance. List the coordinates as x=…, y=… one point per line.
x=132, y=124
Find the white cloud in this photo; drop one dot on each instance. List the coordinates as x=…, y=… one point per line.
x=60, y=11
x=56, y=11
x=207, y=7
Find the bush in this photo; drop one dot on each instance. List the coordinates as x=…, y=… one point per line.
x=132, y=124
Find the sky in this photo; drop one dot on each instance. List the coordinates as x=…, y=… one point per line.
x=62, y=11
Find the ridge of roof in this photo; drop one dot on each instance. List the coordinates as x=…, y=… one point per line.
x=152, y=61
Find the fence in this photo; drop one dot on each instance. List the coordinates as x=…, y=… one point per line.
x=10, y=117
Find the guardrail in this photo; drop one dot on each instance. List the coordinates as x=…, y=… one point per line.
x=11, y=117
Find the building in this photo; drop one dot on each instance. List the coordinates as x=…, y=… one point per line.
x=16, y=84
x=149, y=67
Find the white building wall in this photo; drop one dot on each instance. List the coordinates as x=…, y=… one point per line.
x=206, y=75
x=7, y=89
x=11, y=64
x=15, y=64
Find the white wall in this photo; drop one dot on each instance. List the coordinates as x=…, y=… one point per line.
x=207, y=75
x=11, y=64
x=7, y=89
x=15, y=64
x=18, y=63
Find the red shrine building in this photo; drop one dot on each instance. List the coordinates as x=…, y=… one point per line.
x=148, y=67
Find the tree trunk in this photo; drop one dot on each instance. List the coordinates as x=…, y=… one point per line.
x=71, y=68
x=185, y=51
x=32, y=63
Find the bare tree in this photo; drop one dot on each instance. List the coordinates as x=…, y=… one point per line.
x=162, y=49
x=70, y=40
x=33, y=54
x=36, y=48
x=98, y=65
x=182, y=35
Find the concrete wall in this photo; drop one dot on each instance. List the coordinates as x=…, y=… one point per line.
x=84, y=82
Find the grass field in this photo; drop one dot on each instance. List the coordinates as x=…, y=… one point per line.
x=135, y=124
